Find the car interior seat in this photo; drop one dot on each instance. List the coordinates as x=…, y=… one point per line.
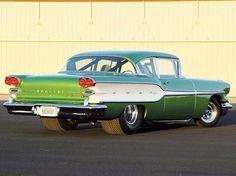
x=105, y=68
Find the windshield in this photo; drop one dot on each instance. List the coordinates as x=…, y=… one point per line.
x=99, y=64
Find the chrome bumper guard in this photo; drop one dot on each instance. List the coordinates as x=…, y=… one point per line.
x=94, y=112
x=226, y=105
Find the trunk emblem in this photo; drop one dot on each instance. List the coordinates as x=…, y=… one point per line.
x=88, y=92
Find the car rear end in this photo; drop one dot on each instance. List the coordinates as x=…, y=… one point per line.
x=52, y=96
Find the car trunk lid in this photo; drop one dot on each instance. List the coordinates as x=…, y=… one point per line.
x=51, y=89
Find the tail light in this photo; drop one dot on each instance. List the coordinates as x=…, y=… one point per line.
x=86, y=82
x=12, y=81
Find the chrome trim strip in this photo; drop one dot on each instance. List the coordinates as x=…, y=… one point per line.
x=190, y=92
x=226, y=105
x=172, y=93
x=173, y=121
x=26, y=112
x=127, y=82
x=6, y=104
x=81, y=114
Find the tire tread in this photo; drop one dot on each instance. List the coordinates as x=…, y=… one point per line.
x=51, y=124
x=112, y=126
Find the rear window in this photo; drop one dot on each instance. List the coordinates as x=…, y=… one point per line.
x=99, y=64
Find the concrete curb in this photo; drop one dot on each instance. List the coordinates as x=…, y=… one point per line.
x=4, y=97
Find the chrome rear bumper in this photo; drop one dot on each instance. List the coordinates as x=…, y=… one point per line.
x=95, y=112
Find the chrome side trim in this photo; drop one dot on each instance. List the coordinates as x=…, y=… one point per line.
x=226, y=105
x=172, y=93
x=7, y=104
x=23, y=112
x=173, y=121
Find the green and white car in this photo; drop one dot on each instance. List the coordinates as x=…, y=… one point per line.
x=120, y=89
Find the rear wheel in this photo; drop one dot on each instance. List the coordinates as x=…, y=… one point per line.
x=128, y=123
x=211, y=116
x=58, y=124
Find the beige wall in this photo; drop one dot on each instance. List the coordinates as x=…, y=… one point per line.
x=206, y=43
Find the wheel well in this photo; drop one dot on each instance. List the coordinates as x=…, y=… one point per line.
x=217, y=97
x=144, y=110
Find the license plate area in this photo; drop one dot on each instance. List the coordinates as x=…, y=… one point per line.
x=48, y=111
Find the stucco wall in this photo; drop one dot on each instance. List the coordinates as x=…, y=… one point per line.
x=39, y=44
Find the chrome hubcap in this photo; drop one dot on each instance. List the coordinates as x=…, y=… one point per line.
x=131, y=114
x=210, y=114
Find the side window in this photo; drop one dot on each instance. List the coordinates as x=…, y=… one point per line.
x=166, y=68
x=147, y=67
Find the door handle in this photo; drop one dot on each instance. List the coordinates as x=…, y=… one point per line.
x=165, y=83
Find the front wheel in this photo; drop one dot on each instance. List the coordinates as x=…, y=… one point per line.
x=211, y=116
x=128, y=123
x=58, y=124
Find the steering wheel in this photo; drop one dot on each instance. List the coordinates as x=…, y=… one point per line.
x=128, y=71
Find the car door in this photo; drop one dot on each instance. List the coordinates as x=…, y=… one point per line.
x=179, y=99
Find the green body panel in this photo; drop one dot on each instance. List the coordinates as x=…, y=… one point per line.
x=178, y=105
x=156, y=110
x=64, y=89
x=152, y=110
x=208, y=85
x=200, y=105
x=182, y=106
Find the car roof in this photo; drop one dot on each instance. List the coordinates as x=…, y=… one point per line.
x=134, y=56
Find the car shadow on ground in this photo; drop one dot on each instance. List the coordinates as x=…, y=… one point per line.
x=162, y=126
x=152, y=128
x=227, y=120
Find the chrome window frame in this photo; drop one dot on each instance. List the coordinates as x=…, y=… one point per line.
x=179, y=67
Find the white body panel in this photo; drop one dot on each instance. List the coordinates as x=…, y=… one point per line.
x=107, y=92
x=118, y=92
